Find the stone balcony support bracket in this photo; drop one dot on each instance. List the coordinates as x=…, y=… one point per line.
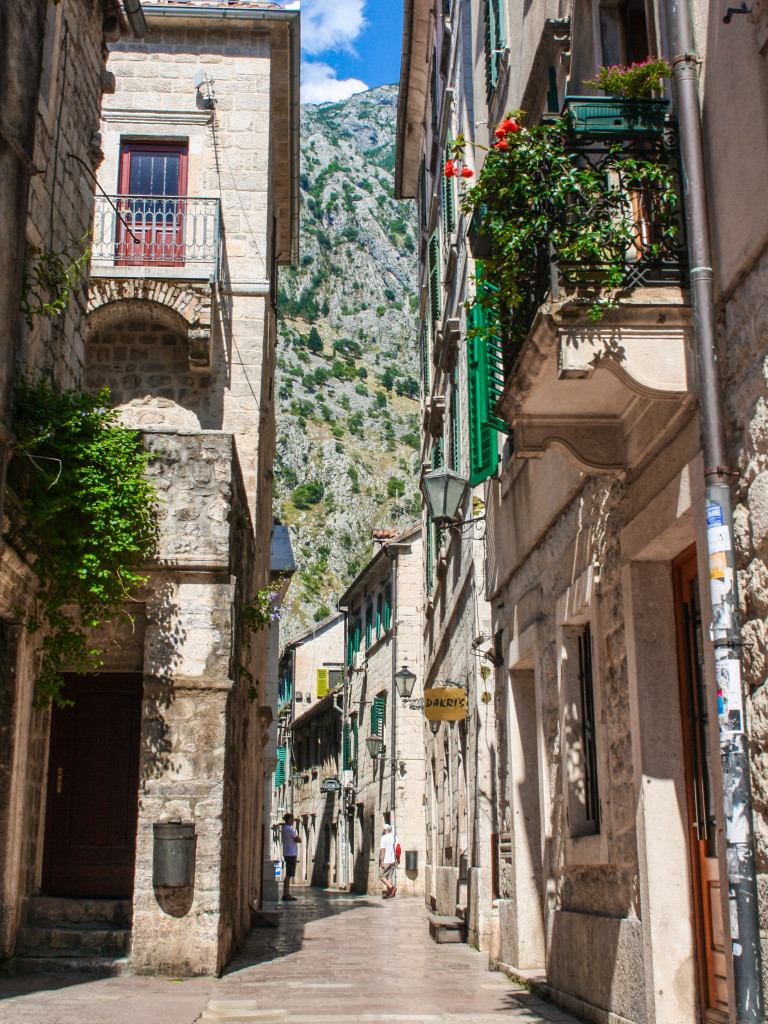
x=596, y=445
x=650, y=360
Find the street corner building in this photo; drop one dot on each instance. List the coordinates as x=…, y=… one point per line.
x=575, y=561
x=383, y=744
x=134, y=822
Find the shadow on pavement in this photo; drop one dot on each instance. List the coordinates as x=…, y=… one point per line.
x=264, y=944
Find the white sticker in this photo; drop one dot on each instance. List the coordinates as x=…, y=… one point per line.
x=718, y=539
x=728, y=675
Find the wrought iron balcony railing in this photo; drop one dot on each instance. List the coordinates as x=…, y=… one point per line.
x=156, y=231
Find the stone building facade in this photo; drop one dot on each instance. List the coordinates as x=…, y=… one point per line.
x=53, y=75
x=383, y=607
x=308, y=751
x=197, y=209
x=606, y=799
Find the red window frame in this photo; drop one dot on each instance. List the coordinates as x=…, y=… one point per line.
x=151, y=232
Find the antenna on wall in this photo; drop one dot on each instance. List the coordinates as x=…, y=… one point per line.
x=205, y=99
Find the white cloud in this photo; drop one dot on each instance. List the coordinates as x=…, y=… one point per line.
x=319, y=84
x=329, y=24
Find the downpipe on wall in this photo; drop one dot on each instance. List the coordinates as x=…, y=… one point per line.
x=726, y=625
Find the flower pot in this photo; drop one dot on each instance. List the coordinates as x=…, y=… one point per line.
x=613, y=118
x=479, y=240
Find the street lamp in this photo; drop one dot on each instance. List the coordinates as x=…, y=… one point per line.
x=404, y=681
x=375, y=745
x=443, y=490
x=434, y=725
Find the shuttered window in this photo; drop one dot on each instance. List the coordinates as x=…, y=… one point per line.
x=378, y=715
x=429, y=555
x=589, y=764
x=438, y=460
x=282, y=758
x=455, y=423
x=322, y=682
x=494, y=40
x=358, y=630
x=449, y=200
x=378, y=616
x=485, y=381
x=423, y=194
x=387, y=606
x=368, y=625
x=433, y=256
x=433, y=91
x=424, y=356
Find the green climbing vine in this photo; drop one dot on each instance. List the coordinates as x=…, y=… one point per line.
x=50, y=277
x=80, y=479
x=257, y=614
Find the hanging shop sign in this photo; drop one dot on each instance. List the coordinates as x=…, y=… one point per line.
x=330, y=786
x=445, y=704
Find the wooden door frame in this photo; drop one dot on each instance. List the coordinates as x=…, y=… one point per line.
x=701, y=913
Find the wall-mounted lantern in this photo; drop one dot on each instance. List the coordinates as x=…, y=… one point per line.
x=405, y=681
x=375, y=745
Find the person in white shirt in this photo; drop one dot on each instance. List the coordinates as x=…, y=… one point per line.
x=388, y=861
x=291, y=839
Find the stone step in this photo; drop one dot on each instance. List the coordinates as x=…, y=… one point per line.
x=58, y=909
x=73, y=940
x=101, y=966
x=447, y=929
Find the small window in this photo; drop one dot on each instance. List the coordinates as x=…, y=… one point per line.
x=634, y=30
x=378, y=715
x=379, y=601
x=322, y=682
x=334, y=678
x=387, y=606
x=368, y=624
x=589, y=745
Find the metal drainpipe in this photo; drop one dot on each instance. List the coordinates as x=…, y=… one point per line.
x=343, y=794
x=393, y=759
x=726, y=631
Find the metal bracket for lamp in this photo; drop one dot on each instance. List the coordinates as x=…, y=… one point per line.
x=736, y=10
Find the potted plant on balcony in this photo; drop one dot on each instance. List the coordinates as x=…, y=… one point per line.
x=549, y=204
x=629, y=111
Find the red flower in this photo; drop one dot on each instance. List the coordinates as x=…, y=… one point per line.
x=450, y=170
x=502, y=144
x=509, y=125
x=467, y=172
x=500, y=132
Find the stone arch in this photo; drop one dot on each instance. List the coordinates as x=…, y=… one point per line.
x=181, y=306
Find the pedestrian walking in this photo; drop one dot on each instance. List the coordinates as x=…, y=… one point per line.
x=291, y=840
x=388, y=861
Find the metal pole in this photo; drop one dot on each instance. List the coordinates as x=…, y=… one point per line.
x=343, y=794
x=393, y=757
x=726, y=627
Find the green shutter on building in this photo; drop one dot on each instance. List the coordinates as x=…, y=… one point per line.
x=387, y=606
x=423, y=192
x=368, y=625
x=347, y=747
x=322, y=682
x=449, y=200
x=483, y=443
x=378, y=716
x=425, y=357
x=358, y=625
x=429, y=556
x=455, y=423
x=282, y=756
x=433, y=257
x=494, y=38
x=378, y=616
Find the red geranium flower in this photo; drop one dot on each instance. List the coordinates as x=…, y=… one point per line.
x=500, y=132
x=450, y=170
x=509, y=125
x=467, y=172
x=502, y=144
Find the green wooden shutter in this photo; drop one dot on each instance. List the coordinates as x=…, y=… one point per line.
x=493, y=44
x=438, y=460
x=429, y=556
x=347, y=747
x=483, y=443
x=433, y=91
x=280, y=769
x=322, y=682
x=387, y=606
x=433, y=255
x=354, y=741
x=368, y=625
x=449, y=200
x=378, y=716
x=423, y=192
x=424, y=357
x=350, y=642
x=378, y=615
x=455, y=423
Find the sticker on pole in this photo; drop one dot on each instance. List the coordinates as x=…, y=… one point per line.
x=714, y=515
x=718, y=539
x=730, y=700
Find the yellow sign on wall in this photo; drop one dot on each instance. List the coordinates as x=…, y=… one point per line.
x=445, y=704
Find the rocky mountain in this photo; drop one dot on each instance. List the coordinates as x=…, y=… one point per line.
x=347, y=374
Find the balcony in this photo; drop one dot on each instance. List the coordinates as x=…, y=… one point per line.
x=173, y=237
x=601, y=384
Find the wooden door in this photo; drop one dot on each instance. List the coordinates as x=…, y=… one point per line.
x=153, y=187
x=93, y=786
x=705, y=869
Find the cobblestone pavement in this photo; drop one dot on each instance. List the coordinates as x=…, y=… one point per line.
x=333, y=958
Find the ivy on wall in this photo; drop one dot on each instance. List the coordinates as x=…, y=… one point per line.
x=80, y=478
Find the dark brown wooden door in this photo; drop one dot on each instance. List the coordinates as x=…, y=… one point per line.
x=93, y=786
x=705, y=868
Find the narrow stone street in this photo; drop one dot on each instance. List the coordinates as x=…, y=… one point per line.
x=333, y=958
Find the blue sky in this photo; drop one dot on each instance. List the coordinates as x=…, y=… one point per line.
x=348, y=46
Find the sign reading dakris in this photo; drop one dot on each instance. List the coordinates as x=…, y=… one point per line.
x=445, y=704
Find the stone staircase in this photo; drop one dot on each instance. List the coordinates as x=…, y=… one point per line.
x=74, y=935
